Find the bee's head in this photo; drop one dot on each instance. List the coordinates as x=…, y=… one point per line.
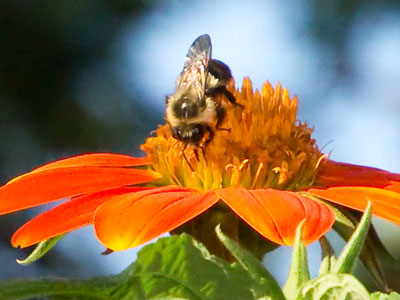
x=189, y=133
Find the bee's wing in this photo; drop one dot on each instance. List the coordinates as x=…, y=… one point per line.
x=201, y=47
x=194, y=74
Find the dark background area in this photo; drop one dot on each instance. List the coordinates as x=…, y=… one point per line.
x=72, y=83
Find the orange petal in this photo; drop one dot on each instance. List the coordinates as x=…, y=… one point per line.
x=276, y=214
x=393, y=186
x=333, y=173
x=385, y=203
x=43, y=186
x=96, y=160
x=73, y=214
x=133, y=219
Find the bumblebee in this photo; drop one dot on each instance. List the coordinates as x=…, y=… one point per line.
x=192, y=111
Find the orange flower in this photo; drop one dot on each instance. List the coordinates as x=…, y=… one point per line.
x=267, y=169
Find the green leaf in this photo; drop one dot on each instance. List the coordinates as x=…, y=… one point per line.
x=334, y=287
x=298, y=273
x=328, y=256
x=347, y=259
x=41, y=249
x=176, y=267
x=382, y=296
x=251, y=264
x=181, y=267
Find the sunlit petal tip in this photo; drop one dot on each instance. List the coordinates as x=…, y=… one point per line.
x=275, y=214
x=393, y=186
x=385, y=203
x=96, y=160
x=332, y=173
x=51, y=184
x=132, y=219
x=90, y=160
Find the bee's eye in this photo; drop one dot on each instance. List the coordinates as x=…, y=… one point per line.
x=176, y=132
x=197, y=133
x=191, y=134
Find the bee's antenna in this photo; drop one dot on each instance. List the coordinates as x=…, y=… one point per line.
x=184, y=156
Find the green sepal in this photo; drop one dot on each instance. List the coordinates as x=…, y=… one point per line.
x=333, y=287
x=347, y=259
x=328, y=256
x=299, y=272
x=41, y=249
x=252, y=265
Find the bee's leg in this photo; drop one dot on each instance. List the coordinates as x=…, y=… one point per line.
x=184, y=156
x=222, y=90
x=206, y=142
x=221, y=112
x=230, y=97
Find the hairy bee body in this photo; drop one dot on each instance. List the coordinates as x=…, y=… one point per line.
x=192, y=111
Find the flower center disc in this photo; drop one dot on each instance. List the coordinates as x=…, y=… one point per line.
x=266, y=146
